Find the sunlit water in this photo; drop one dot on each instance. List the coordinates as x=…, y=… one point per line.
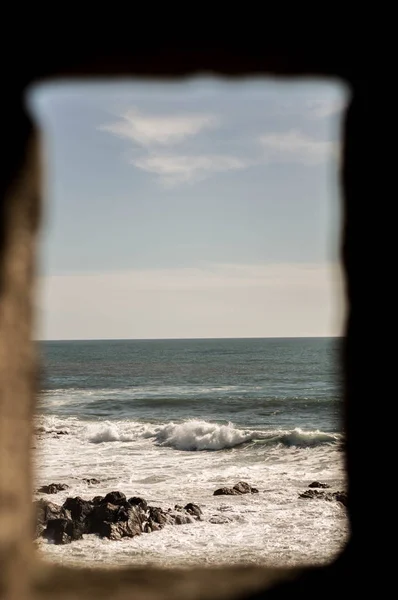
x=172, y=421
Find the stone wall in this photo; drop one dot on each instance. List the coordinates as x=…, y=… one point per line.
x=22, y=574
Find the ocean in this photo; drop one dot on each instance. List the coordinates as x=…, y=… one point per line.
x=173, y=420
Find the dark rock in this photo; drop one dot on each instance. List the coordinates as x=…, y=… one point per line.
x=193, y=509
x=113, y=520
x=225, y=491
x=318, y=484
x=45, y=511
x=103, y=512
x=41, y=430
x=123, y=513
x=97, y=499
x=239, y=488
x=80, y=511
x=53, y=488
x=313, y=494
x=140, y=502
x=62, y=531
x=157, y=516
x=341, y=497
x=321, y=495
x=115, y=498
x=91, y=481
x=244, y=488
x=112, y=513
x=130, y=527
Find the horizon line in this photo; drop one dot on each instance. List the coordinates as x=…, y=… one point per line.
x=283, y=337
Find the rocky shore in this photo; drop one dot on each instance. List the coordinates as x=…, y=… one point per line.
x=115, y=516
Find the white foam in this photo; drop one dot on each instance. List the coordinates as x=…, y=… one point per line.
x=274, y=525
x=201, y=435
x=107, y=432
x=298, y=437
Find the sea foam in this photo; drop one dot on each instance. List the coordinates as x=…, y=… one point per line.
x=201, y=435
x=196, y=435
x=106, y=432
x=306, y=439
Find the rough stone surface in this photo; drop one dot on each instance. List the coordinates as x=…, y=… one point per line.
x=321, y=495
x=225, y=491
x=103, y=512
x=239, y=488
x=318, y=484
x=129, y=527
x=193, y=509
x=53, y=488
x=46, y=510
x=115, y=498
x=62, y=531
x=80, y=510
x=136, y=501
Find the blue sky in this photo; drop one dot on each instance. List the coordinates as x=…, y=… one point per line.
x=202, y=208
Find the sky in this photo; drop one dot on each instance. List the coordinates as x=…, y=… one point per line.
x=190, y=209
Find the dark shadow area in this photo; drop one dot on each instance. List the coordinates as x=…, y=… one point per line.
x=364, y=368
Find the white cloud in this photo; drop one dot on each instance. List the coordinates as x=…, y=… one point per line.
x=294, y=146
x=177, y=169
x=149, y=130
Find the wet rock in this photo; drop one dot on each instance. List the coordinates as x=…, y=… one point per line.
x=239, y=488
x=53, y=488
x=42, y=430
x=115, y=498
x=244, y=488
x=318, y=484
x=91, y=481
x=321, y=495
x=98, y=499
x=103, y=512
x=194, y=510
x=130, y=527
x=310, y=494
x=62, y=531
x=341, y=497
x=46, y=511
x=113, y=520
x=80, y=511
x=140, y=502
x=157, y=516
x=225, y=491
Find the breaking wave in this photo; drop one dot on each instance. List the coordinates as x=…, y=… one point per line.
x=202, y=435
x=193, y=435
